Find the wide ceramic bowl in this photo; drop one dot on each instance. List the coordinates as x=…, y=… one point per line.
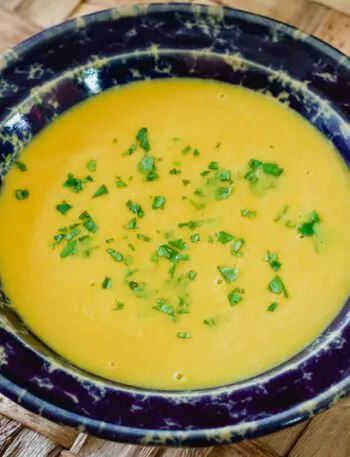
x=53, y=71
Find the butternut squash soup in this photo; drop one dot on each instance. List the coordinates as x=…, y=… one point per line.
x=177, y=234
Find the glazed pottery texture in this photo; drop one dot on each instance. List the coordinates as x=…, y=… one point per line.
x=53, y=71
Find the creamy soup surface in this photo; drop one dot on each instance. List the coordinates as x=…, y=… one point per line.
x=177, y=234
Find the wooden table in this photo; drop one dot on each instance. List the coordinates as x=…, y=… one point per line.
x=23, y=434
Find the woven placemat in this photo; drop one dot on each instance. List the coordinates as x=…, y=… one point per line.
x=23, y=434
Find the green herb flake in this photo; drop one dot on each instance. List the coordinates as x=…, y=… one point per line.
x=128, y=260
x=205, y=172
x=272, y=259
x=165, y=250
x=158, y=202
x=277, y=286
x=223, y=175
x=273, y=169
x=210, y=239
x=91, y=165
x=272, y=307
x=120, y=183
x=132, y=247
x=267, y=168
x=186, y=150
x=183, y=335
x=69, y=249
x=20, y=165
x=132, y=224
x=142, y=138
x=195, y=238
x=117, y=256
x=145, y=238
x=22, y=194
x=248, y=213
x=102, y=190
x=186, y=182
x=88, y=223
x=224, y=237
x=76, y=184
x=118, y=306
x=191, y=224
x=213, y=166
x=165, y=307
x=135, y=208
x=191, y=275
x=228, y=273
x=107, y=283
x=110, y=240
x=174, y=171
x=308, y=228
x=281, y=213
x=63, y=207
x=178, y=244
x=147, y=164
x=235, y=296
x=130, y=150
x=222, y=193
x=236, y=247
x=196, y=153
x=209, y=322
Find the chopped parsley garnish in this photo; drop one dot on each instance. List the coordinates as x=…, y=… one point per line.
x=132, y=247
x=277, y=286
x=130, y=150
x=223, y=175
x=139, y=288
x=224, y=237
x=267, y=168
x=174, y=171
x=132, y=224
x=183, y=335
x=145, y=238
x=191, y=275
x=186, y=182
x=109, y=241
x=210, y=239
x=195, y=238
x=165, y=307
x=91, y=165
x=142, y=138
x=102, y=190
x=128, y=260
x=186, y=150
x=272, y=259
x=158, y=202
x=213, y=166
x=178, y=244
x=281, y=213
x=248, y=213
x=20, y=165
x=88, y=222
x=135, y=208
x=290, y=224
x=118, y=306
x=235, y=296
x=272, y=169
x=107, y=283
x=196, y=152
x=120, y=183
x=22, y=194
x=236, y=247
x=229, y=273
x=205, y=172
x=117, y=256
x=69, y=249
x=221, y=193
x=308, y=228
x=76, y=184
x=209, y=322
x=272, y=307
x=171, y=254
x=63, y=207
x=191, y=224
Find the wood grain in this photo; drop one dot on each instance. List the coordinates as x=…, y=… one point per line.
x=23, y=434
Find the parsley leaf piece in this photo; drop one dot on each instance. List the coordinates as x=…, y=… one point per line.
x=128, y=260
x=186, y=150
x=20, y=165
x=196, y=152
x=165, y=307
x=209, y=322
x=120, y=183
x=191, y=275
x=224, y=237
x=107, y=283
x=135, y=208
x=174, y=171
x=88, y=222
x=308, y=228
x=63, y=207
x=213, y=166
x=228, y=273
x=273, y=169
x=69, y=249
x=272, y=307
x=132, y=224
x=76, y=184
x=142, y=138
x=158, y=202
x=164, y=250
x=191, y=224
x=195, y=238
x=183, y=335
x=118, y=306
x=186, y=182
x=235, y=296
x=277, y=286
x=132, y=247
x=281, y=213
x=22, y=194
x=130, y=150
x=272, y=259
x=110, y=240
x=178, y=244
x=248, y=213
x=221, y=193
x=223, y=175
x=205, y=172
x=91, y=165
x=147, y=164
x=117, y=256
x=102, y=190
x=145, y=238
x=236, y=247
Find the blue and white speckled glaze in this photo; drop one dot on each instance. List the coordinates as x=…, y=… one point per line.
x=49, y=73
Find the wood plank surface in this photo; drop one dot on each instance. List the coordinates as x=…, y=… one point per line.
x=23, y=434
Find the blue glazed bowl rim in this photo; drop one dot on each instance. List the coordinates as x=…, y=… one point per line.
x=202, y=436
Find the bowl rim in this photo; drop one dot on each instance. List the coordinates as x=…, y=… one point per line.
x=202, y=437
